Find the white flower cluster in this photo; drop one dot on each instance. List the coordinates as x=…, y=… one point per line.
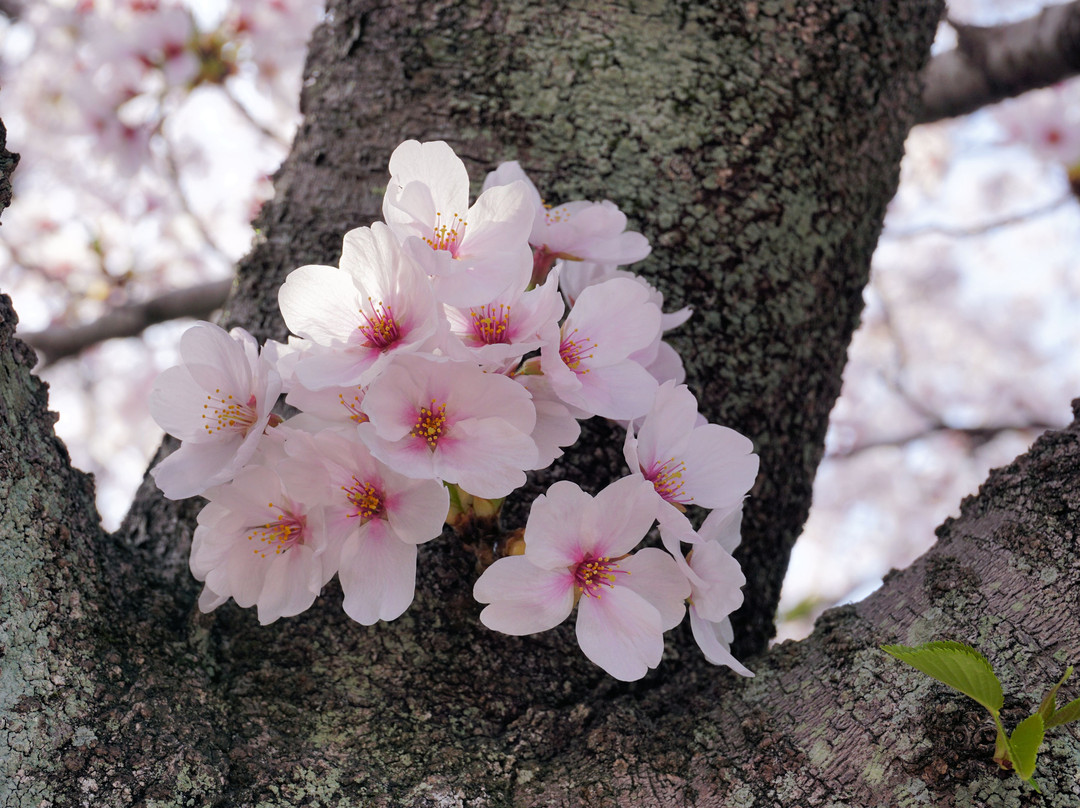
x=433, y=365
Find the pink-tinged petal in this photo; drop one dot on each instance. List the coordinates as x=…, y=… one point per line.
x=617, y=317
x=220, y=359
x=194, y=467
x=618, y=517
x=553, y=534
x=555, y=428
x=408, y=456
x=621, y=632
x=706, y=635
x=723, y=527
x=485, y=456
x=177, y=405
x=478, y=278
x=720, y=468
x=392, y=400
x=656, y=577
x=621, y=391
x=499, y=223
x=322, y=367
x=675, y=528
x=523, y=598
x=417, y=511
x=666, y=364
x=321, y=304
x=292, y=583
x=718, y=590
x=377, y=574
x=210, y=600
x=489, y=395
x=507, y=174
x=435, y=165
x=666, y=430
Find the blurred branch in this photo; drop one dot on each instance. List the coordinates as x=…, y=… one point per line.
x=978, y=436
x=54, y=344
x=12, y=9
x=981, y=228
x=991, y=64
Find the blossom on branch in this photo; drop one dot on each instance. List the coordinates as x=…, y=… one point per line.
x=578, y=551
x=217, y=402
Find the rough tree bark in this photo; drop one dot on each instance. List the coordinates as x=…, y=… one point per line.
x=756, y=145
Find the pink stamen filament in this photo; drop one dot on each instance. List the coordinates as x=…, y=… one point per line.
x=573, y=352
x=353, y=406
x=225, y=414
x=366, y=498
x=280, y=535
x=667, y=479
x=490, y=325
x=381, y=329
x=430, y=423
x=591, y=575
x=447, y=236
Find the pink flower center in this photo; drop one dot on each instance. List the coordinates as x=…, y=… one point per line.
x=447, y=235
x=366, y=498
x=591, y=575
x=381, y=329
x=430, y=424
x=279, y=535
x=667, y=479
x=573, y=351
x=225, y=414
x=490, y=324
x=353, y=406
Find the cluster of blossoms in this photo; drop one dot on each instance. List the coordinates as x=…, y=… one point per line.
x=433, y=368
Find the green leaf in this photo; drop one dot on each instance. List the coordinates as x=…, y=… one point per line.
x=1025, y=742
x=957, y=665
x=1046, y=709
x=1070, y=712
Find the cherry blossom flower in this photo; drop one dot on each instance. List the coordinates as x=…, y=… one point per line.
x=217, y=402
x=451, y=422
x=376, y=305
x=587, y=362
x=256, y=543
x=716, y=580
x=506, y=328
x=376, y=516
x=574, y=231
x=577, y=550
x=473, y=253
x=688, y=463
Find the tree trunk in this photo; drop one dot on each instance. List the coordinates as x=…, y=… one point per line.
x=756, y=146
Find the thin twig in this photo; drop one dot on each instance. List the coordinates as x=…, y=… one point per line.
x=957, y=231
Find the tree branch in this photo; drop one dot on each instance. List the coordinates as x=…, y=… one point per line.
x=54, y=344
x=991, y=64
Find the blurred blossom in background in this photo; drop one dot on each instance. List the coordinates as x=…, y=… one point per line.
x=148, y=130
